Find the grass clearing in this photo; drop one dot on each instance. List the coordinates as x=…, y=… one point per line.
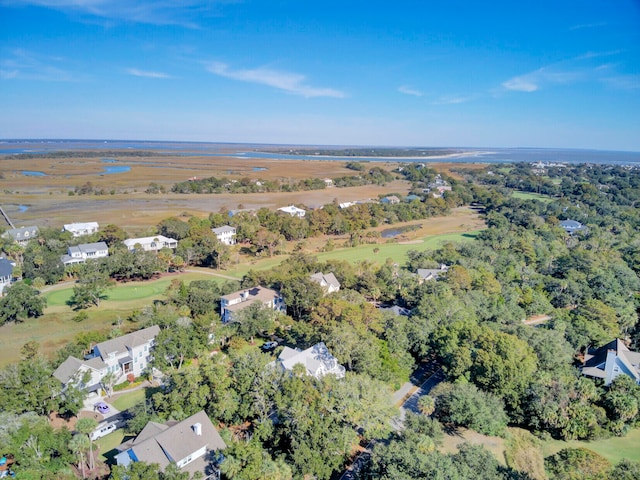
x=495, y=445
x=107, y=445
x=532, y=196
x=126, y=400
x=613, y=449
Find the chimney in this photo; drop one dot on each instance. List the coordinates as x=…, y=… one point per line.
x=197, y=428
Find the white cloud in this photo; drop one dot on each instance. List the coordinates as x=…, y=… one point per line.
x=587, y=25
x=147, y=74
x=293, y=83
x=22, y=64
x=155, y=12
x=623, y=82
x=454, y=99
x=410, y=91
x=542, y=77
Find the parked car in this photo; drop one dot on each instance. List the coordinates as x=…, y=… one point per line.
x=102, y=430
x=102, y=407
x=269, y=346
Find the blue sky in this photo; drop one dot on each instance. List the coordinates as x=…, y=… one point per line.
x=401, y=73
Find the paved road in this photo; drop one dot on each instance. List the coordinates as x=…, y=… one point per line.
x=423, y=379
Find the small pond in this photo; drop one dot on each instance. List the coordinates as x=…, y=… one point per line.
x=259, y=169
x=394, y=232
x=33, y=173
x=116, y=169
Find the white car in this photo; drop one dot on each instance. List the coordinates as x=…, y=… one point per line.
x=102, y=430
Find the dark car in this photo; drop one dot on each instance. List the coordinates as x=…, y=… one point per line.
x=102, y=407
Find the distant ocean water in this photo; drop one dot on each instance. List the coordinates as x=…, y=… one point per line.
x=257, y=151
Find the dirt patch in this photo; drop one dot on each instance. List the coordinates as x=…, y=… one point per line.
x=494, y=444
x=57, y=421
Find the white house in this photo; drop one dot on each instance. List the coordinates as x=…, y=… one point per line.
x=189, y=444
x=22, y=235
x=123, y=355
x=572, y=226
x=316, y=360
x=85, y=251
x=226, y=234
x=293, y=211
x=80, y=229
x=328, y=282
x=6, y=274
x=151, y=244
x=610, y=361
x=234, y=302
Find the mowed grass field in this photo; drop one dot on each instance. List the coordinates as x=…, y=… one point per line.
x=56, y=327
x=613, y=449
x=532, y=196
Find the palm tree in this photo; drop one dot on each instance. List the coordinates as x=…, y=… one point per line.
x=426, y=405
x=86, y=426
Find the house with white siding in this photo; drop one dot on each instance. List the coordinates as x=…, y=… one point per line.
x=80, y=229
x=85, y=251
x=234, y=302
x=225, y=234
x=151, y=244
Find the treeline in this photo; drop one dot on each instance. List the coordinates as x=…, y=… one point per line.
x=370, y=152
x=87, y=154
x=375, y=175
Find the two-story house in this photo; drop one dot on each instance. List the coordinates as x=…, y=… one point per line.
x=80, y=229
x=328, y=281
x=151, y=244
x=85, y=251
x=610, y=361
x=225, y=234
x=128, y=354
x=316, y=360
x=22, y=235
x=6, y=274
x=190, y=445
x=234, y=302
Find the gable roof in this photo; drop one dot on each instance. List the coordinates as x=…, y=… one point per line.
x=174, y=441
x=223, y=229
x=328, y=279
x=6, y=267
x=317, y=360
x=80, y=226
x=67, y=369
x=22, y=233
x=128, y=341
x=131, y=242
x=595, y=360
x=256, y=293
x=89, y=247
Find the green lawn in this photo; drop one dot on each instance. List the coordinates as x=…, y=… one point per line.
x=107, y=445
x=532, y=196
x=395, y=251
x=126, y=400
x=613, y=449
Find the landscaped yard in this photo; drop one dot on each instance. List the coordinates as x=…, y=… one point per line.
x=126, y=400
x=613, y=449
x=107, y=445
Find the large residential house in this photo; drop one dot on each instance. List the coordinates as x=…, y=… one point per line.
x=151, y=244
x=316, y=360
x=6, y=274
x=225, y=234
x=80, y=229
x=128, y=354
x=234, y=302
x=293, y=211
x=189, y=444
x=391, y=200
x=22, y=235
x=426, y=274
x=328, y=282
x=610, y=361
x=85, y=251
x=573, y=226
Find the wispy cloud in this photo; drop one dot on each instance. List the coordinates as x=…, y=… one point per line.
x=155, y=12
x=623, y=82
x=147, y=74
x=454, y=99
x=293, y=83
x=410, y=91
x=22, y=64
x=587, y=25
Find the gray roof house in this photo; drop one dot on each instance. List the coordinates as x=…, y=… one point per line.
x=425, y=274
x=391, y=200
x=188, y=444
x=6, y=273
x=226, y=234
x=234, y=302
x=85, y=251
x=317, y=361
x=22, y=235
x=128, y=354
x=610, y=361
x=328, y=282
x=573, y=226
